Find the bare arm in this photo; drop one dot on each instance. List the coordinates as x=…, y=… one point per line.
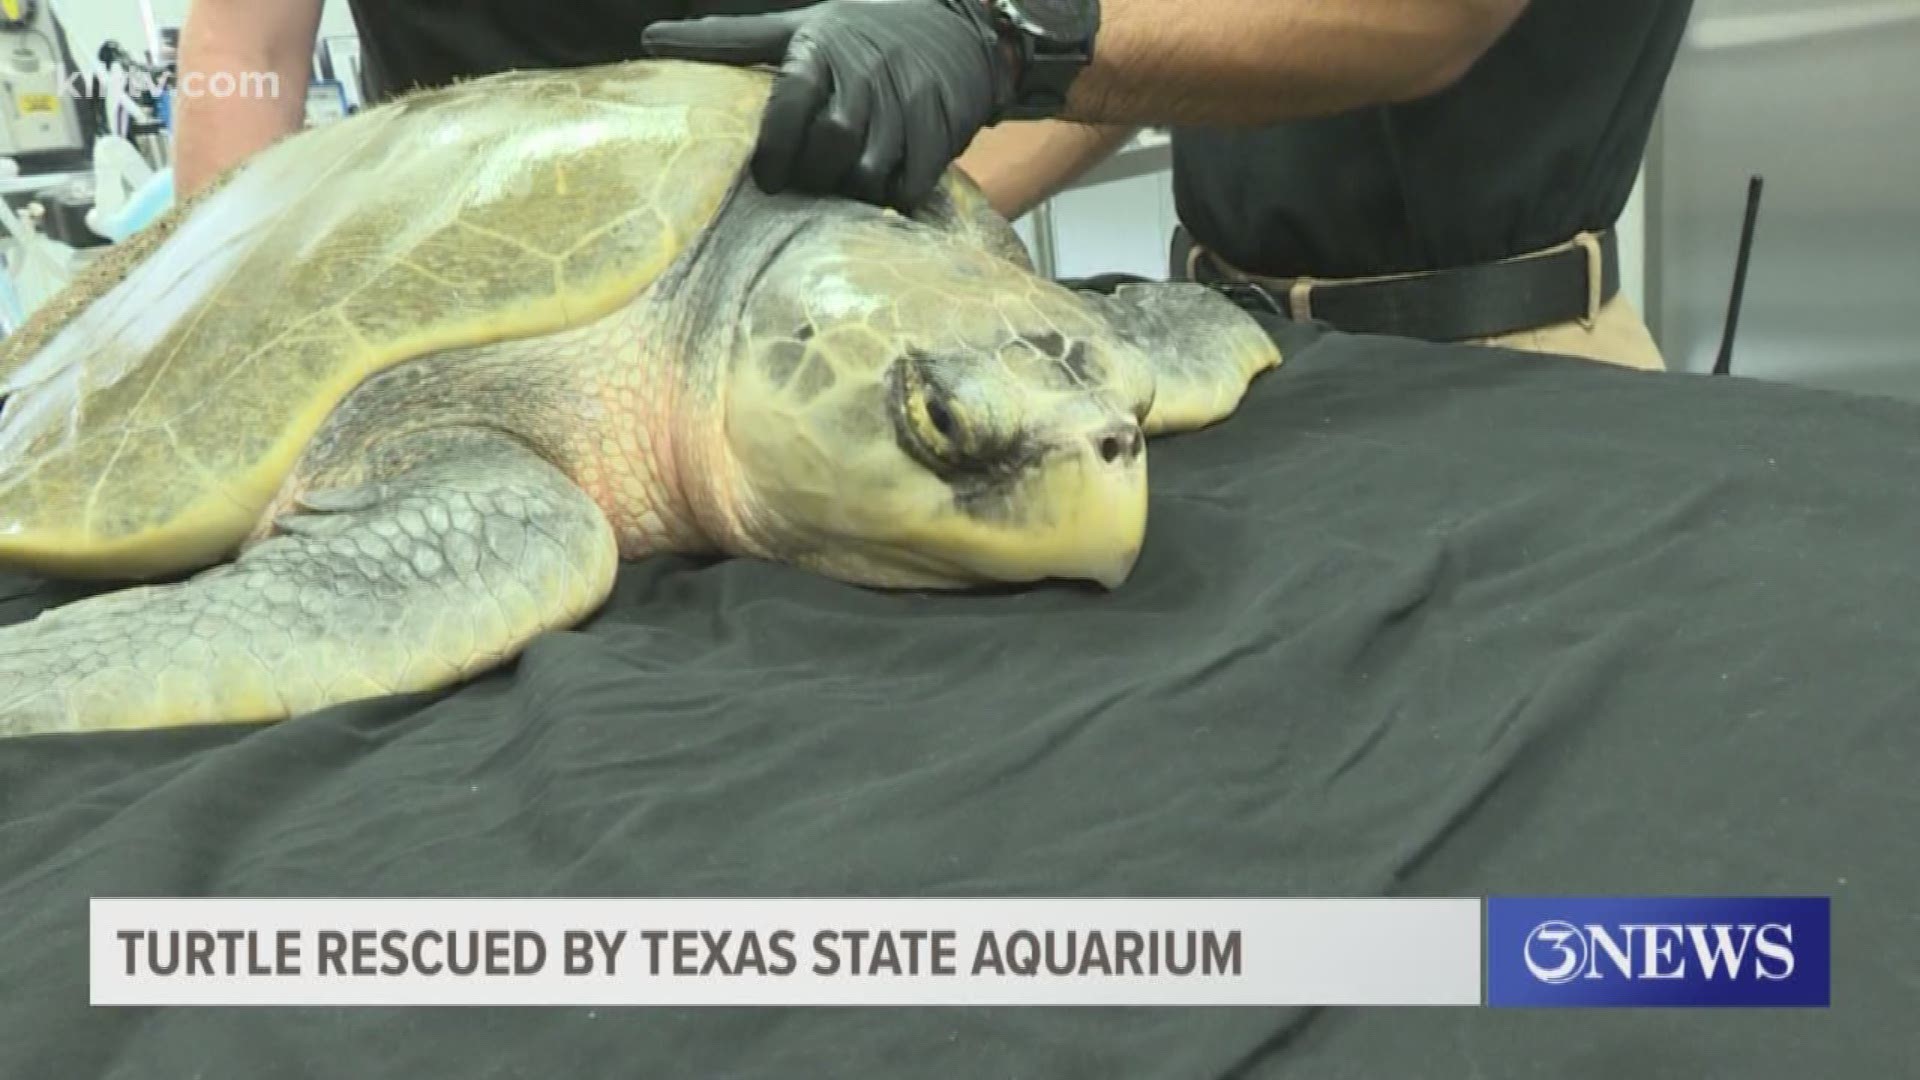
x=235, y=39
x=1022, y=164
x=1249, y=62
x=1232, y=62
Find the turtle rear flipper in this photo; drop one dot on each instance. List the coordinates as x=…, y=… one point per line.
x=460, y=548
x=1203, y=351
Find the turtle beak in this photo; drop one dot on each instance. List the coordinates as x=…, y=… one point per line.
x=1075, y=513
x=1117, y=572
x=1111, y=497
x=1103, y=536
x=1082, y=517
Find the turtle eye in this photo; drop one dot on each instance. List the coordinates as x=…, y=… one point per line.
x=938, y=421
x=941, y=419
x=937, y=424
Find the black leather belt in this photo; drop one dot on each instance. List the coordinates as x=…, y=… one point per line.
x=1461, y=304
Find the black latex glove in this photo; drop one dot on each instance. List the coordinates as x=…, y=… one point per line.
x=874, y=99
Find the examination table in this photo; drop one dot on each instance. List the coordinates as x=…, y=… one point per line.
x=1419, y=620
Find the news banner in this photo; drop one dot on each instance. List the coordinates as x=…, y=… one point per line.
x=1502, y=952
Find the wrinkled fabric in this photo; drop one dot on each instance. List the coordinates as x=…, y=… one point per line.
x=1419, y=620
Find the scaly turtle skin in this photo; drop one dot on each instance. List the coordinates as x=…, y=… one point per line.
x=401, y=392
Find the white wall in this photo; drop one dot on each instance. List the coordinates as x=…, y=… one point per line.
x=337, y=19
x=1632, y=230
x=1117, y=227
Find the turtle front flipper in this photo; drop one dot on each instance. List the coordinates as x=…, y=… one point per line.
x=453, y=550
x=1202, y=350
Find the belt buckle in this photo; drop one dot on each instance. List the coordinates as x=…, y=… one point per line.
x=1596, y=273
x=1235, y=291
x=1236, y=287
x=1300, y=298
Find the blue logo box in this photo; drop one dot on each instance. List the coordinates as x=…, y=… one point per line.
x=1659, y=952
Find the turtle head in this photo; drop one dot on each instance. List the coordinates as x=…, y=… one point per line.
x=907, y=410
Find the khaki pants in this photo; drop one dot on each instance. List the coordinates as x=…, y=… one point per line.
x=1616, y=335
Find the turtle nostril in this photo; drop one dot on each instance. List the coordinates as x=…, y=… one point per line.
x=1117, y=445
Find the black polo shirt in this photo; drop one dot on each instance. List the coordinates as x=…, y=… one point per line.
x=1540, y=140
x=407, y=44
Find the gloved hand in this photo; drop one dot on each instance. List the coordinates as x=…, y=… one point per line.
x=874, y=99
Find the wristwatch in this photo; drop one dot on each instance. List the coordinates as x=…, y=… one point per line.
x=1052, y=41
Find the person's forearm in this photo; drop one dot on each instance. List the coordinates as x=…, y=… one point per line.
x=230, y=44
x=1020, y=165
x=1249, y=62
x=217, y=133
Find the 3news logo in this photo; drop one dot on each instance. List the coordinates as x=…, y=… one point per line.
x=1658, y=952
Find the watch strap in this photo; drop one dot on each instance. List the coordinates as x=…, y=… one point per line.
x=1045, y=70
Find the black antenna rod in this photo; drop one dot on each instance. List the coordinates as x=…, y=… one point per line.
x=1724, y=363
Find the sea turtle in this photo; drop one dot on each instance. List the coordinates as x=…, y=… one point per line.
x=397, y=395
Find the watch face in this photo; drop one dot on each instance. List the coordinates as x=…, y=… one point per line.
x=1060, y=20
